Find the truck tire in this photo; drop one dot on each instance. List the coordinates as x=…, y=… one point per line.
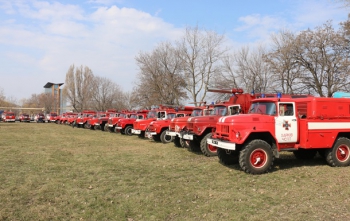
x=97, y=127
x=207, y=149
x=106, y=128
x=177, y=142
x=305, y=154
x=339, y=154
x=228, y=157
x=127, y=130
x=193, y=146
x=165, y=138
x=256, y=157
x=184, y=143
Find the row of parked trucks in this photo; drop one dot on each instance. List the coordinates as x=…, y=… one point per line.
x=9, y=116
x=248, y=129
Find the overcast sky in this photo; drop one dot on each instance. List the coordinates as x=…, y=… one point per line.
x=40, y=40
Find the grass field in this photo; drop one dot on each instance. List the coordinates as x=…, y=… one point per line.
x=56, y=172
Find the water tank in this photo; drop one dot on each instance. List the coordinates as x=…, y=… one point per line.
x=340, y=94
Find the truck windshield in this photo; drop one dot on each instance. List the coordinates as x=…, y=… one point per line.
x=263, y=108
x=171, y=115
x=219, y=111
x=152, y=114
x=196, y=113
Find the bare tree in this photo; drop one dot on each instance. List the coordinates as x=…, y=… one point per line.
x=285, y=69
x=106, y=94
x=324, y=57
x=77, y=88
x=201, y=53
x=252, y=71
x=160, y=80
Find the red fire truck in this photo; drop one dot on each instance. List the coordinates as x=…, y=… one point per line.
x=200, y=128
x=8, y=116
x=178, y=125
x=157, y=130
x=304, y=125
x=159, y=113
x=82, y=119
x=125, y=125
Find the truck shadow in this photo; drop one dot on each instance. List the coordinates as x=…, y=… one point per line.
x=289, y=161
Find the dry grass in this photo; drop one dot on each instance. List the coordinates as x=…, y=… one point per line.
x=55, y=172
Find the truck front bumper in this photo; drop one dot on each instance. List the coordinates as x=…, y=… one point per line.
x=150, y=134
x=171, y=133
x=221, y=144
x=135, y=131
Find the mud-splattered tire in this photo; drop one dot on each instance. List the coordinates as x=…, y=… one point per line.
x=228, y=157
x=177, y=142
x=256, y=157
x=305, y=154
x=164, y=138
x=339, y=154
x=127, y=130
x=194, y=146
x=207, y=149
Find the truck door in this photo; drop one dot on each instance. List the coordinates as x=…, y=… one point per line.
x=234, y=109
x=286, y=124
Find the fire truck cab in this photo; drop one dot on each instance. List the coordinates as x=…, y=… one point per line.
x=305, y=126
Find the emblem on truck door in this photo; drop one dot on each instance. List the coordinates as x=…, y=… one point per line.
x=286, y=125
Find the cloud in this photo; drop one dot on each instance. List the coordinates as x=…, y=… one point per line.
x=300, y=15
x=40, y=40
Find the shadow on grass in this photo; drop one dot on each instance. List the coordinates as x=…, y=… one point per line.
x=286, y=162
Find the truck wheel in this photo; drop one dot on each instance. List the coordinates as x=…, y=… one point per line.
x=165, y=138
x=177, y=142
x=193, y=146
x=207, y=149
x=305, y=154
x=339, y=155
x=256, y=157
x=228, y=157
x=97, y=127
x=128, y=130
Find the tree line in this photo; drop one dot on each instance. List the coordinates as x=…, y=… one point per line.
x=314, y=61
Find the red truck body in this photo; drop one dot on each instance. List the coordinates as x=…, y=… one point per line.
x=200, y=128
x=81, y=120
x=178, y=125
x=8, y=116
x=114, y=118
x=157, y=130
x=305, y=126
x=125, y=125
x=140, y=126
x=51, y=117
x=24, y=117
x=102, y=123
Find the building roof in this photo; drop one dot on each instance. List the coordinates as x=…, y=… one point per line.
x=49, y=84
